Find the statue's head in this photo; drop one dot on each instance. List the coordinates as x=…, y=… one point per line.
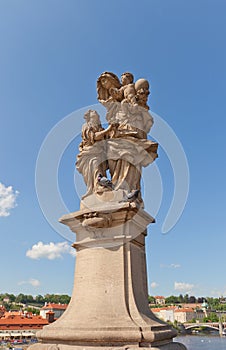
x=127, y=78
x=142, y=85
x=87, y=115
x=92, y=117
x=106, y=81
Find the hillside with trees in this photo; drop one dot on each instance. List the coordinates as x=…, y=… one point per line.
x=30, y=302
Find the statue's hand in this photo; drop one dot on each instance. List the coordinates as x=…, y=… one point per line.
x=112, y=126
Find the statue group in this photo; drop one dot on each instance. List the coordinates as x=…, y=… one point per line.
x=110, y=89
x=109, y=306
x=122, y=148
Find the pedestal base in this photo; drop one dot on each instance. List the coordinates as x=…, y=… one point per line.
x=169, y=346
x=109, y=306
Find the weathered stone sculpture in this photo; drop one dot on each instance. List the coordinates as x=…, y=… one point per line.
x=109, y=306
x=92, y=158
x=110, y=89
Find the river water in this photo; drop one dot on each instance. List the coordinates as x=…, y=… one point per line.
x=203, y=342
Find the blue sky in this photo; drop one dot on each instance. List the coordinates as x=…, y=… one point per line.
x=51, y=55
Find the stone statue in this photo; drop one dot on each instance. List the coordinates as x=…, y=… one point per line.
x=126, y=93
x=109, y=89
x=109, y=306
x=122, y=148
x=142, y=92
x=106, y=84
x=91, y=160
x=128, y=149
x=128, y=88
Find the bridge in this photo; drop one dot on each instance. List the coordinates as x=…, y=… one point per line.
x=218, y=326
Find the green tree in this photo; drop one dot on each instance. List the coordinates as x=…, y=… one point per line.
x=172, y=300
x=29, y=299
x=186, y=298
x=56, y=298
x=33, y=310
x=21, y=298
x=64, y=299
x=15, y=307
x=151, y=299
x=181, y=299
x=213, y=303
x=212, y=317
x=12, y=298
x=39, y=299
x=7, y=295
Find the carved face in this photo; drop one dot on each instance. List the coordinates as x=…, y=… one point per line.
x=126, y=78
x=105, y=82
x=142, y=86
x=94, y=117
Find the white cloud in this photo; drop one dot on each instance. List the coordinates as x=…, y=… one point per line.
x=7, y=199
x=175, y=266
x=32, y=281
x=50, y=250
x=217, y=293
x=170, y=266
x=154, y=285
x=181, y=286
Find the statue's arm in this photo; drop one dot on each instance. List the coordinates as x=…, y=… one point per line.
x=99, y=135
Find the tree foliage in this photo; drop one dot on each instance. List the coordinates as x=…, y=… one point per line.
x=212, y=317
x=39, y=300
x=151, y=299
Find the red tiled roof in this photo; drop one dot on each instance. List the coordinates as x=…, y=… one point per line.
x=158, y=309
x=55, y=306
x=21, y=321
x=192, y=305
x=12, y=313
x=159, y=297
x=185, y=310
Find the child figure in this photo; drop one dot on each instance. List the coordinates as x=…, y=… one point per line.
x=127, y=92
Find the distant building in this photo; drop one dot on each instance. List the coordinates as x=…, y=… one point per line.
x=200, y=314
x=221, y=315
x=165, y=313
x=222, y=300
x=192, y=305
x=20, y=325
x=181, y=315
x=156, y=311
x=184, y=315
x=160, y=300
x=6, y=300
x=58, y=309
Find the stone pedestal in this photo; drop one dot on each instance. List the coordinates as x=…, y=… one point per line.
x=109, y=306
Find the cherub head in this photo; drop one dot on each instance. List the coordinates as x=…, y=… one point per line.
x=127, y=78
x=142, y=92
x=142, y=85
